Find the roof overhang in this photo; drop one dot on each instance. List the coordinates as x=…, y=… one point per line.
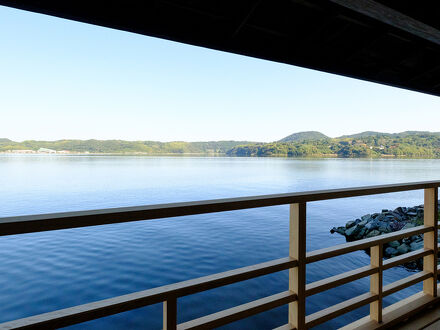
x=362, y=39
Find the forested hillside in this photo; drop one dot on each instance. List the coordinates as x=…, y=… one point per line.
x=120, y=146
x=406, y=145
x=304, y=144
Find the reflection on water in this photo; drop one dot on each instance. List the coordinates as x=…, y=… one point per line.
x=46, y=271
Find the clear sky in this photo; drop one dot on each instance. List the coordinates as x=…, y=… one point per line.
x=63, y=79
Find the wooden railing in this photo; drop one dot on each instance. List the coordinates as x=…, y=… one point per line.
x=294, y=296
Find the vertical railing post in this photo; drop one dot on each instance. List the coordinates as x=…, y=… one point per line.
x=376, y=285
x=170, y=314
x=297, y=275
x=430, y=240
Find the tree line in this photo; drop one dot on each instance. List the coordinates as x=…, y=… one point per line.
x=407, y=146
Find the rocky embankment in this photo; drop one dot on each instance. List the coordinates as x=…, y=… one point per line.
x=388, y=221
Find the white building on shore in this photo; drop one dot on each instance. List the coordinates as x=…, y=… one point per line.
x=46, y=151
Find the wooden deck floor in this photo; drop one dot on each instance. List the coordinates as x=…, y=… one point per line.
x=428, y=320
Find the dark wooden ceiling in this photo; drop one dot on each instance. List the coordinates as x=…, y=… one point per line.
x=391, y=42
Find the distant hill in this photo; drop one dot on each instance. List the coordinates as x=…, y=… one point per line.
x=120, y=146
x=304, y=136
x=411, y=144
x=364, y=134
x=407, y=133
x=401, y=134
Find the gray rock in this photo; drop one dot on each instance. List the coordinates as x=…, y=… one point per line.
x=389, y=252
x=380, y=217
x=384, y=228
x=403, y=248
x=350, y=224
x=350, y=232
x=361, y=234
x=373, y=233
x=375, y=223
x=341, y=230
x=366, y=217
x=416, y=245
x=399, y=210
x=362, y=223
x=394, y=244
x=408, y=225
x=411, y=265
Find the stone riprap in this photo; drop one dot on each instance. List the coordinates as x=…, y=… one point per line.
x=388, y=221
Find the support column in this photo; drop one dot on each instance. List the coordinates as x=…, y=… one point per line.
x=376, y=284
x=170, y=314
x=430, y=240
x=297, y=275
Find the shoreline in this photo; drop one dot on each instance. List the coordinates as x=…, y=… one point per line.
x=326, y=156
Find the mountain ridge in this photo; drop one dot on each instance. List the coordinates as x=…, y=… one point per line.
x=316, y=135
x=304, y=136
x=374, y=133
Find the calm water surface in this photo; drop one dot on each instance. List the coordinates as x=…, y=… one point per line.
x=46, y=271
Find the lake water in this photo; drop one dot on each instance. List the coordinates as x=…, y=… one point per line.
x=42, y=272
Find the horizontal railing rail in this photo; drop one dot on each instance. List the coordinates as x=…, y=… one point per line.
x=295, y=263
x=363, y=244
x=107, y=307
x=78, y=219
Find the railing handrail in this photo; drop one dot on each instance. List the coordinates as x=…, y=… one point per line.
x=90, y=311
x=337, y=250
x=77, y=219
x=295, y=263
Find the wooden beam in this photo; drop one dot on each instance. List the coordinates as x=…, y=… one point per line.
x=297, y=275
x=339, y=309
x=55, y=221
x=395, y=313
x=170, y=314
x=392, y=17
x=376, y=257
x=240, y=312
x=284, y=327
x=296, y=262
x=246, y=18
x=430, y=240
x=94, y=310
x=407, y=257
x=363, y=244
x=340, y=279
x=405, y=282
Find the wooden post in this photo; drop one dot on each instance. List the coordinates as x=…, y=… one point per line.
x=376, y=260
x=170, y=314
x=297, y=275
x=430, y=240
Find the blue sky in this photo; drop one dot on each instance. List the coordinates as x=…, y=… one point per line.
x=63, y=79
